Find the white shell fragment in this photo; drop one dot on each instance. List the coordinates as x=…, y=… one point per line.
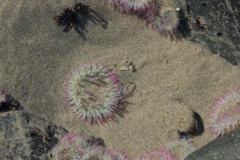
x=132, y=68
x=124, y=68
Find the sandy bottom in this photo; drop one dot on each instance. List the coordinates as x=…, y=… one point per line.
x=36, y=56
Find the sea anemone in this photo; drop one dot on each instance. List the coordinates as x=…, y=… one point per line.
x=168, y=21
x=115, y=2
x=119, y=155
x=159, y=154
x=149, y=14
x=137, y=5
x=67, y=148
x=3, y=97
x=181, y=147
x=75, y=146
x=176, y=116
x=118, y=5
x=94, y=93
x=225, y=113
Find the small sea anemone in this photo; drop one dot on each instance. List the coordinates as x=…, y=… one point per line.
x=159, y=154
x=168, y=21
x=94, y=92
x=3, y=97
x=75, y=146
x=119, y=155
x=176, y=116
x=67, y=147
x=181, y=147
x=225, y=113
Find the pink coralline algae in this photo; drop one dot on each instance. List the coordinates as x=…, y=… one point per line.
x=94, y=93
x=225, y=113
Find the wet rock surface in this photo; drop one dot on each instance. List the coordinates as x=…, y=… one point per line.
x=225, y=148
x=28, y=137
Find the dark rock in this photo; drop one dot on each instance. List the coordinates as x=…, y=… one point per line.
x=225, y=148
x=28, y=137
x=222, y=26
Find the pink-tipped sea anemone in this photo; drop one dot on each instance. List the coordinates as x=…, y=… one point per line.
x=159, y=154
x=119, y=155
x=149, y=14
x=76, y=146
x=133, y=6
x=181, y=147
x=225, y=113
x=137, y=5
x=168, y=21
x=3, y=97
x=94, y=93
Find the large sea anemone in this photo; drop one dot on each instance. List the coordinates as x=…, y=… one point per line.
x=133, y=6
x=137, y=5
x=225, y=113
x=94, y=93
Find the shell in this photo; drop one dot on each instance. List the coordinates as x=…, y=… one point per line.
x=124, y=68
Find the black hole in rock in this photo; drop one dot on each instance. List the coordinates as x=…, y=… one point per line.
x=204, y=4
x=219, y=34
x=33, y=134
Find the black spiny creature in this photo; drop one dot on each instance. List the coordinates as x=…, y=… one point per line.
x=72, y=16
